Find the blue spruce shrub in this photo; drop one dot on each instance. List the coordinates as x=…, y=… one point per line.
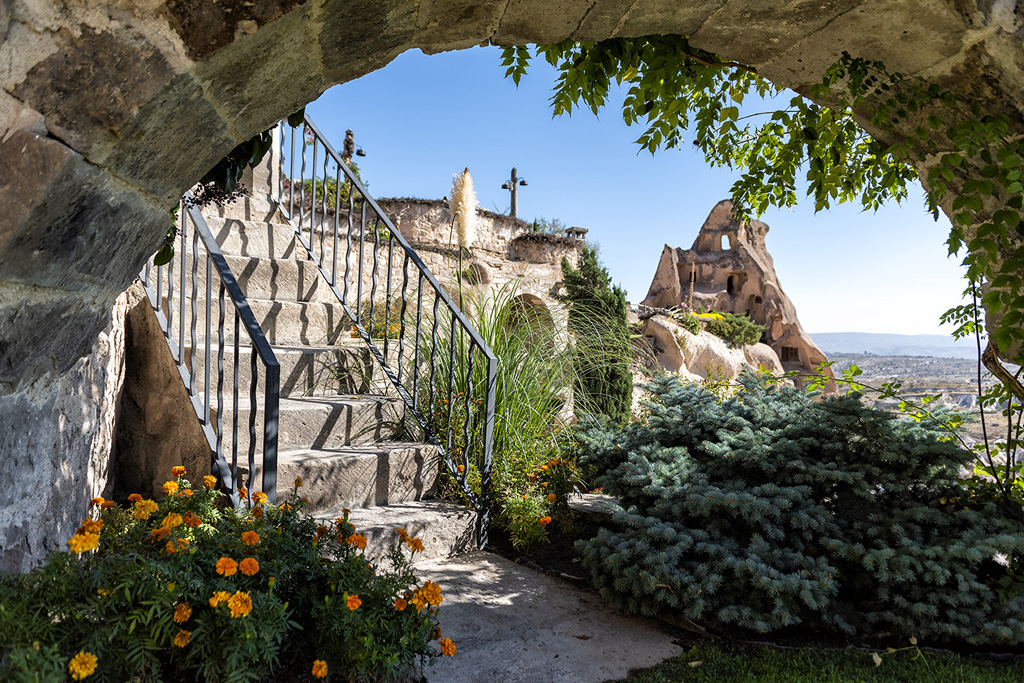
x=776, y=508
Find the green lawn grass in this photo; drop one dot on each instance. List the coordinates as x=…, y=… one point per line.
x=707, y=662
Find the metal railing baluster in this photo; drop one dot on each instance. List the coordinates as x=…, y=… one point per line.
x=181, y=295
x=401, y=319
x=219, y=449
x=192, y=328
x=207, y=343
x=337, y=216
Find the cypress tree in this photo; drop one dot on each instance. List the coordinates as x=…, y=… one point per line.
x=597, y=318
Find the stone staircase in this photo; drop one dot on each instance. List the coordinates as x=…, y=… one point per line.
x=338, y=427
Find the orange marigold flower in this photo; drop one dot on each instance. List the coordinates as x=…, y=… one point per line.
x=285, y=506
x=97, y=501
x=226, y=566
x=107, y=505
x=257, y=513
x=250, y=538
x=192, y=520
x=447, y=647
x=177, y=545
x=182, y=638
x=353, y=602
x=552, y=498
x=322, y=531
x=209, y=481
x=403, y=535
x=461, y=468
x=240, y=605
x=249, y=566
x=172, y=520
x=170, y=488
x=358, y=540
x=243, y=493
x=544, y=521
x=416, y=545
x=134, y=498
x=259, y=497
x=320, y=668
x=82, y=665
x=432, y=594
x=400, y=604
x=186, y=493
x=418, y=600
x=178, y=471
x=144, y=508
x=298, y=482
x=182, y=612
x=158, y=534
x=218, y=598
x=80, y=543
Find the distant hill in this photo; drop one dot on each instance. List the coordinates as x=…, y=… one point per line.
x=936, y=345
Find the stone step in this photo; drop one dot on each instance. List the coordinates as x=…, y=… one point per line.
x=285, y=323
x=358, y=476
x=320, y=422
x=256, y=239
x=446, y=529
x=305, y=370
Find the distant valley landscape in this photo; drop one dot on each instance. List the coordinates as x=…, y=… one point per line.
x=936, y=345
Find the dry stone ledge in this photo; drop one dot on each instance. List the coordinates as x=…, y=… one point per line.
x=109, y=111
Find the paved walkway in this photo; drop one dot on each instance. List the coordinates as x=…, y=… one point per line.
x=511, y=624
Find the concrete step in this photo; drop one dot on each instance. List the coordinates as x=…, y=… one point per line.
x=321, y=422
x=446, y=529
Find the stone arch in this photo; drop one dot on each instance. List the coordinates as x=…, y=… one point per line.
x=530, y=312
x=478, y=274
x=109, y=111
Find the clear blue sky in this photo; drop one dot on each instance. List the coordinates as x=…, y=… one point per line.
x=423, y=118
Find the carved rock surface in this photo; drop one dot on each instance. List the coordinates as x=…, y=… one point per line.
x=729, y=269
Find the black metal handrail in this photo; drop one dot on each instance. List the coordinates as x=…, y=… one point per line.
x=451, y=344
x=171, y=304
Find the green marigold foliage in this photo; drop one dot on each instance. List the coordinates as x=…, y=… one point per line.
x=772, y=509
x=738, y=330
x=597, y=315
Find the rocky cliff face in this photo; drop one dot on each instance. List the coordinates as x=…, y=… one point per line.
x=728, y=268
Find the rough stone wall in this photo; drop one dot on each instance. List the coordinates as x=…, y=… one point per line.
x=55, y=449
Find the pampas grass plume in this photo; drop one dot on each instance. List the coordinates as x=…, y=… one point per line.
x=463, y=208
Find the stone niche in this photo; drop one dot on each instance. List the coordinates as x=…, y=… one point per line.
x=729, y=269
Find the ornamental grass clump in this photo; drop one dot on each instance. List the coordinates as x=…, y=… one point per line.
x=179, y=590
x=776, y=508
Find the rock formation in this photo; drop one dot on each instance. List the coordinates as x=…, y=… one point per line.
x=729, y=269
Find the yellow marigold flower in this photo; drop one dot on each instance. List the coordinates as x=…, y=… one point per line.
x=250, y=538
x=249, y=566
x=358, y=540
x=170, y=488
x=259, y=497
x=353, y=602
x=178, y=471
x=285, y=506
x=447, y=647
x=320, y=668
x=172, y=520
x=107, y=505
x=102, y=591
x=545, y=520
x=552, y=498
x=82, y=665
x=226, y=566
x=134, y=498
x=400, y=604
x=191, y=520
x=416, y=545
x=418, y=600
x=240, y=604
x=218, y=598
x=298, y=482
x=91, y=526
x=209, y=481
x=80, y=543
x=143, y=509
x=182, y=613
x=182, y=638
x=432, y=594
x=97, y=501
